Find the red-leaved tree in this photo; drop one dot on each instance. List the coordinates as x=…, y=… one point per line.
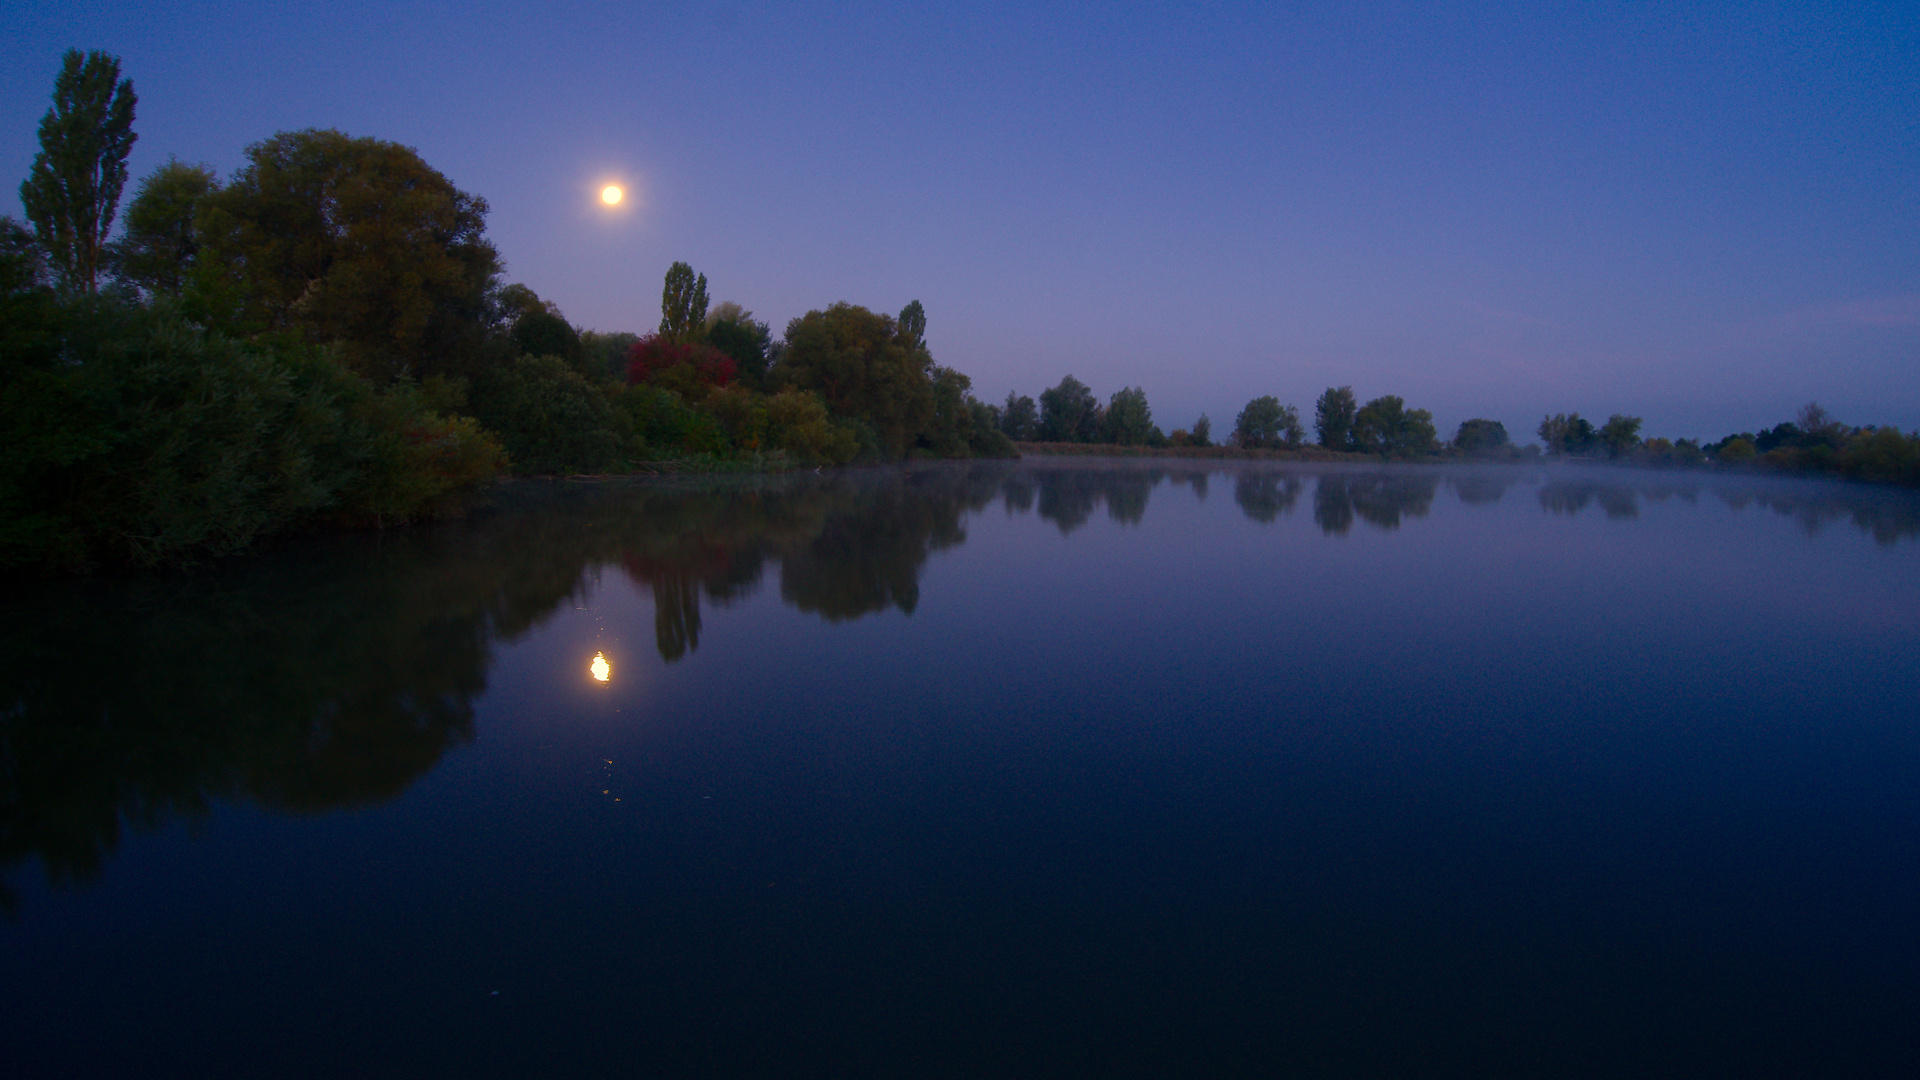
x=683, y=367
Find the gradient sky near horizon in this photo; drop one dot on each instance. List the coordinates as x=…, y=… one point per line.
x=1701, y=214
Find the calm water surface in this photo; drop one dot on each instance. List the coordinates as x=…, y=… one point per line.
x=1043, y=769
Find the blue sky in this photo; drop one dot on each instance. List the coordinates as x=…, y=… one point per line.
x=1701, y=214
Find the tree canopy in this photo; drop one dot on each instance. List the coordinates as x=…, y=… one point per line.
x=74, y=187
x=683, y=305
x=733, y=330
x=1481, y=438
x=864, y=369
x=1265, y=423
x=1386, y=426
x=355, y=241
x=161, y=241
x=1019, y=418
x=1069, y=412
x=1129, y=419
x=1567, y=433
x=1620, y=435
x=1333, y=417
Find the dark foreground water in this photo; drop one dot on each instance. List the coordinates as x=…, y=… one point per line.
x=1036, y=770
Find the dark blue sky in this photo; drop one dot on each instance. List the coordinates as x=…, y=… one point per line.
x=1702, y=214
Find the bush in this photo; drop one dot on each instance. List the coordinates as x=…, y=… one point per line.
x=986, y=439
x=549, y=417
x=419, y=464
x=152, y=441
x=660, y=421
x=1737, y=451
x=1884, y=455
x=741, y=414
x=687, y=369
x=1482, y=439
x=797, y=422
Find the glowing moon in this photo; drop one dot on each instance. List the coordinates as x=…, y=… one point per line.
x=611, y=195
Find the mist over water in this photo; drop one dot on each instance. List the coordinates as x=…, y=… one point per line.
x=1039, y=767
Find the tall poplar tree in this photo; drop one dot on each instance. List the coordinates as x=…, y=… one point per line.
x=74, y=188
x=683, y=304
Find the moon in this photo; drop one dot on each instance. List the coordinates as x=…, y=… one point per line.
x=611, y=195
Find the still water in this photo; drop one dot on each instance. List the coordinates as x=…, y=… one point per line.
x=1037, y=769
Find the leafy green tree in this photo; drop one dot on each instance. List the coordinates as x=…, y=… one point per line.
x=798, y=423
x=544, y=333
x=1387, y=427
x=1481, y=438
x=1258, y=424
x=913, y=326
x=1567, y=433
x=537, y=328
x=1069, y=412
x=74, y=187
x=23, y=262
x=858, y=363
x=154, y=441
x=1819, y=426
x=606, y=354
x=1291, y=433
x=1621, y=435
x=1203, y=431
x=356, y=241
x=1882, y=454
x=549, y=417
x=1129, y=419
x=160, y=243
x=1333, y=417
x=683, y=305
x=986, y=439
x=514, y=300
x=1265, y=423
x=1736, y=450
x=1020, y=418
x=733, y=330
x=951, y=427
x=29, y=312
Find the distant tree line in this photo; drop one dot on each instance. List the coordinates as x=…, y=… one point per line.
x=1385, y=427
x=1070, y=413
x=1812, y=442
x=327, y=336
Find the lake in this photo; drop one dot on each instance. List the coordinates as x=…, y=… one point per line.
x=1059, y=767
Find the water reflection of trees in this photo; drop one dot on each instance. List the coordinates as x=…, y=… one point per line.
x=302, y=685
x=1481, y=488
x=1265, y=496
x=336, y=674
x=1887, y=514
x=1572, y=496
x=1068, y=497
x=1380, y=499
